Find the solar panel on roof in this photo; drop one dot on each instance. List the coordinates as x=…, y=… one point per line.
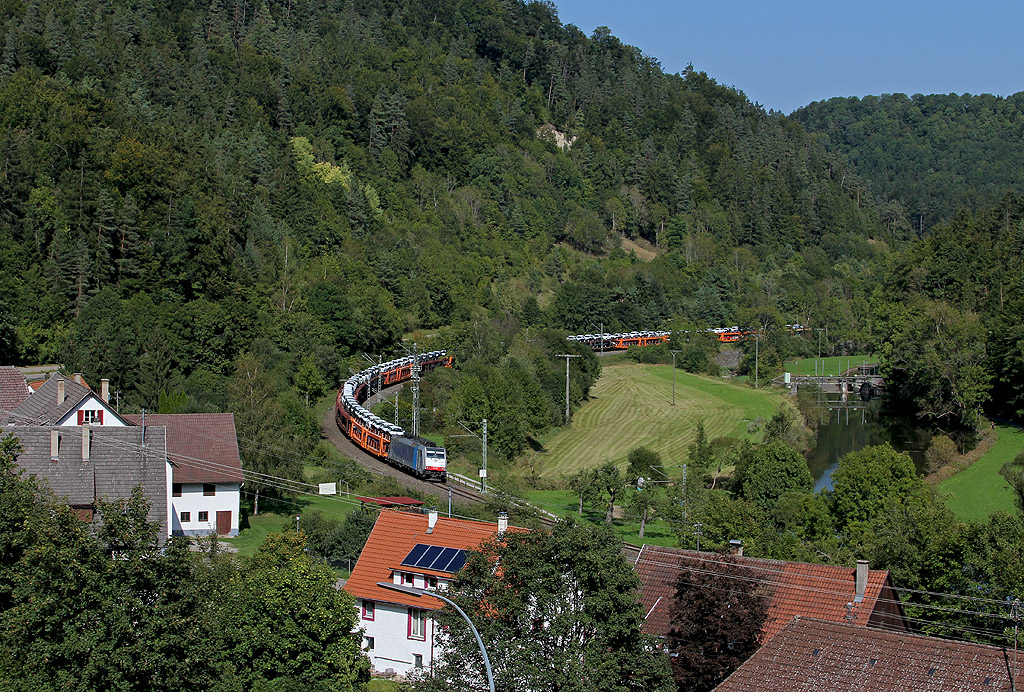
x=428, y=557
x=458, y=562
x=415, y=554
x=435, y=557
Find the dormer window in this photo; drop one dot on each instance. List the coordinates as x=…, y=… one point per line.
x=408, y=578
x=431, y=582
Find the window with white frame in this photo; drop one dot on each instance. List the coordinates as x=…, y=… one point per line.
x=417, y=624
x=369, y=610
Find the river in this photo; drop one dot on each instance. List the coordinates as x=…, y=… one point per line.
x=846, y=430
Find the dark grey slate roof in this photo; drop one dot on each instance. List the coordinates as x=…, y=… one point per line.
x=42, y=408
x=118, y=461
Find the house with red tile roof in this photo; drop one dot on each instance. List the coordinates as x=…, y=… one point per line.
x=808, y=655
x=206, y=470
x=409, y=549
x=859, y=595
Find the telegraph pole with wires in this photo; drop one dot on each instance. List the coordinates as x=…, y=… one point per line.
x=567, y=356
x=415, y=379
x=483, y=439
x=1015, y=616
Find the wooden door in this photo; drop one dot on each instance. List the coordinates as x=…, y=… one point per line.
x=223, y=523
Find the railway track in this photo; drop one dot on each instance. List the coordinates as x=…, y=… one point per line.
x=375, y=466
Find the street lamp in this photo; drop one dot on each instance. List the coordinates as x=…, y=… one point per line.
x=413, y=591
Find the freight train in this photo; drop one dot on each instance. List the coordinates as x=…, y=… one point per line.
x=421, y=457
x=624, y=340
x=377, y=436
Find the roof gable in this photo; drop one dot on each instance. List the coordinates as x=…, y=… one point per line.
x=810, y=654
x=43, y=407
x=393, y=537
x=203, y=446
x=796, y=588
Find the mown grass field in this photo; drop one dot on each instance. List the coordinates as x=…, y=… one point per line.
x=979, y=490
x=833, y=366
x=631, y=406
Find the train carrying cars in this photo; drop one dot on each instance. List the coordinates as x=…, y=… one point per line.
x=419, y=456
x=376, y=435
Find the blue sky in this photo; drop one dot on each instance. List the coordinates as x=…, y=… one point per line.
x=784, y=54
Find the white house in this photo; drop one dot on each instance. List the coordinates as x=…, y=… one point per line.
x=205, y=477
x=413, y=549
x=207, y=471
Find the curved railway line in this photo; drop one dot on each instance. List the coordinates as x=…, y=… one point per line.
x=367, y=438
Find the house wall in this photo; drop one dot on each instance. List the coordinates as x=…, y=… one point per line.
x=193, y=501
x=392, y=647
x=92, y=403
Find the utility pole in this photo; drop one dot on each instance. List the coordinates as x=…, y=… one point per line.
x=1015, y=615
x=415, y=378
x=567, y=356
x=674, y=354
x=698, y=530
x=483, y=439
x=757, y=360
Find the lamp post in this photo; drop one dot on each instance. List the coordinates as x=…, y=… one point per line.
x=423, y=592
x=674, y=354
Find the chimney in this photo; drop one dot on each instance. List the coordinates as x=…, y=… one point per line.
x=431, y=520
x=105, y=390
x=861, y=581
x=60, y=391
x=86, y=441
x=54, y=445
x=502, y=523
x=78, y=378
x=736, y=547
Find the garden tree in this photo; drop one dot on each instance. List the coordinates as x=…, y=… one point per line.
x=775, y=468
x=933, y=356
x=284, y=619
x=805, y=516
x=338, y=542
x=699, y=455
x=720, y=607
x=259, y=419
x=584, y=485
x=644, y=463
x=867, y=483
x=1013, y=472
x=561, y=614
x=608, y=483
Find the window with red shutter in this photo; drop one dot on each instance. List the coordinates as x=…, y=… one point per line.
x=81, y=416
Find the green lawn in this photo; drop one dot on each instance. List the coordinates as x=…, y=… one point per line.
x=631, y=406
x=833, y=366
x=979, y=490
x=564, y=502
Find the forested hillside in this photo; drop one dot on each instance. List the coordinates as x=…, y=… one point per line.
x=183, y=182
x=925, y=156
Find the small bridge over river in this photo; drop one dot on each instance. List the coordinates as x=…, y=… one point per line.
x=861, y=382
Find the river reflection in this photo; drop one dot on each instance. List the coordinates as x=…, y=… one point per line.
x=848, y=429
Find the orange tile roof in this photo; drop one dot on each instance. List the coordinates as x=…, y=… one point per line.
x=396, y=533
x=810, y=655
x=796, y=588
